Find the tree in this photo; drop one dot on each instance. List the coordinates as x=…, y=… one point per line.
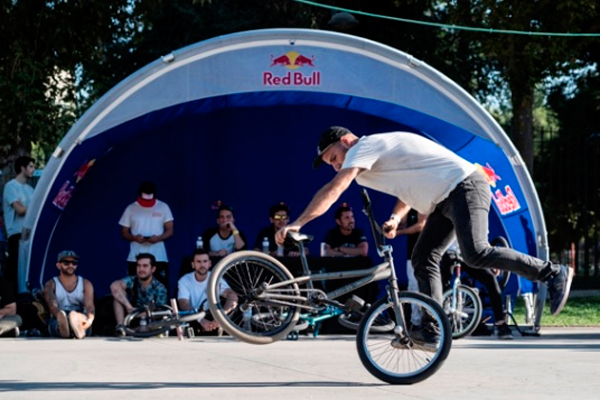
x=45, y=43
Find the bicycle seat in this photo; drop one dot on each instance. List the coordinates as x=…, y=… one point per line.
x=298, y=237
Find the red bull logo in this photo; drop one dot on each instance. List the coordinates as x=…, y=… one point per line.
x=291, y=61
x=506, y=203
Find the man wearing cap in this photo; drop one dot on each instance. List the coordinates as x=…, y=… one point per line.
x=70, y=299
x=345, y=240
x=436, y=182
x=146, y=224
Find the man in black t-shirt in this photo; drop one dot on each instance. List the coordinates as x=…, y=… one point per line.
x=279, y=215
x=9, y=320
x=345, y=239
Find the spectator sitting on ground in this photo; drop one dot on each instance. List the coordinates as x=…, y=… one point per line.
x=137, y=291
x=70, y=299
x=279, y=215
x=146, y=224
x=345, y=239
x=9, y=320
x=192, y=291
x=225, y=238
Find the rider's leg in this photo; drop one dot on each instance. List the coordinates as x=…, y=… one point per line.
x=468, y=207
x=487, y=278
x=433, y=241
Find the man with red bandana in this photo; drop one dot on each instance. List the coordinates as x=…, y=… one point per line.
x=146, y=224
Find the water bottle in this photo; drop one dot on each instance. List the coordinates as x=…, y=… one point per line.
x=265, y=245
x=280, y=251
x=143, y=324
x=199, y=243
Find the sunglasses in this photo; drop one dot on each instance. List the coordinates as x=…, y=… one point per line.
x=68, y=262
x=280, y=217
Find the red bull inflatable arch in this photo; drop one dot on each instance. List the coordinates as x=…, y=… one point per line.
x=237, y=118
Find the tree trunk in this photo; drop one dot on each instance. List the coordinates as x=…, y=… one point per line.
x=522, y=120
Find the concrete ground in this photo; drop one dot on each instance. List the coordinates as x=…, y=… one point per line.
x=563, y=363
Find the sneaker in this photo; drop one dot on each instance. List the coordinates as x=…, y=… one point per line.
x=503, y=332
x=120, y=330
x=63, y=324
x=426, y=337
x=559, y=287
x=75, y=320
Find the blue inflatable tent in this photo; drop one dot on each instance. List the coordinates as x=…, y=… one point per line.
x=237, y=118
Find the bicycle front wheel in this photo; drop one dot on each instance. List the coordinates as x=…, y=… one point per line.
x=466, y=315
x=393, y=356
x=262, y=315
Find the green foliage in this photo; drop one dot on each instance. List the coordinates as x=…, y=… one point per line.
x=579, y=311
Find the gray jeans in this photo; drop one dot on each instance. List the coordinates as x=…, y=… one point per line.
x=464, y=215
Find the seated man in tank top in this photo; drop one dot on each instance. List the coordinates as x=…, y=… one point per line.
x=70, y=299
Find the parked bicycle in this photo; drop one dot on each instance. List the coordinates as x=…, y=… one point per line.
x=152, y=320
x=271, y=299
x=461, y=302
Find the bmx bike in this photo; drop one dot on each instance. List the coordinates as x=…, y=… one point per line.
x=152, y=320
x=271, y=299
x=461, y=302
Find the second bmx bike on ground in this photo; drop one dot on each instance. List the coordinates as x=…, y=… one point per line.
x=392, y=346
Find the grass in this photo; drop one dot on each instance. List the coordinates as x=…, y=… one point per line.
x=579, y=311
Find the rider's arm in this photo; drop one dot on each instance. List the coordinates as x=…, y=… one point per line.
x=327, y=196
x=50, y=297
x=414, y=228
x=399, y=211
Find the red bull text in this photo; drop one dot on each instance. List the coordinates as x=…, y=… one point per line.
x=506, y=203
x=292, y=61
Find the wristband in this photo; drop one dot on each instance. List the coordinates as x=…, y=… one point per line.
x=395, y=217
x=236, y=232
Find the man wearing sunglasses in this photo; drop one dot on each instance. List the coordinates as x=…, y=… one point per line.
x=70, y=299
x=279, y=215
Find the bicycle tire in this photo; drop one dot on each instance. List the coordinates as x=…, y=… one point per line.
x=245, y=272
x=155, y=326
x=389, y=360
x=503, y=276
x=469, y=308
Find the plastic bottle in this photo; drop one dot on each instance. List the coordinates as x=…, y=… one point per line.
x=280, y=251
x=199, y=243
x=247, y=317
x=265, y=245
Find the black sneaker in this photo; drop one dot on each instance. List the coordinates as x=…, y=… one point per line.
x=559, y=287
x=427, y=337
x=120, y=331
x=503, y=332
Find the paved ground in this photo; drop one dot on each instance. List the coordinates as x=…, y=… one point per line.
x=561, y=364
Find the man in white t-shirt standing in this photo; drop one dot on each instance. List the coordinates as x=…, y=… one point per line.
x=147, y=223
x=191, y=290
x=15, y=201
x=436, y=182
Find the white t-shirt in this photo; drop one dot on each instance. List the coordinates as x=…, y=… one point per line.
x=195, y=292
x=410, y=167
x=13, y=191
x=147, y=221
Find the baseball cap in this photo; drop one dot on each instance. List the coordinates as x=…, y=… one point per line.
x=330, y=136
x=67, y=253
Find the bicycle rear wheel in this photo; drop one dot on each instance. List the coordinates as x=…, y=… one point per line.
x=465, y=318
x=262, y=316
x=393, y=356
x=138, y=324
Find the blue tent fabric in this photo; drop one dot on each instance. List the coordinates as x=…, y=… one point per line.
x=236, y=119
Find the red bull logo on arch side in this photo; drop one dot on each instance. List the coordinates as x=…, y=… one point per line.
x=506, y=202
x=292, y=69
